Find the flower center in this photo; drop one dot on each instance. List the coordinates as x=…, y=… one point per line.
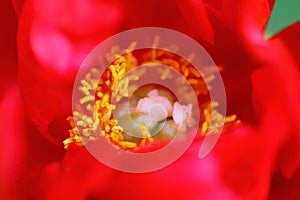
x=131, y=116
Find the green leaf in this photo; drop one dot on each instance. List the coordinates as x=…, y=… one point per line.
x=285, y=13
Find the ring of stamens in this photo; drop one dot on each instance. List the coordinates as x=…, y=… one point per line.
x=112, y=84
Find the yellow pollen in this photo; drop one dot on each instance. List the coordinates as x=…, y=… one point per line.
x=218, y=119
x=87, y=99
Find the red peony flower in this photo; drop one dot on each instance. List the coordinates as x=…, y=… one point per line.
x=257, y=159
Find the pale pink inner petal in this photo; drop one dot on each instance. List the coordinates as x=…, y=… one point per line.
x=182, y=115
x=158, y=107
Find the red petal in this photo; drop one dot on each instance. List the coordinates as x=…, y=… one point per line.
x=53, y=40
x=8, y=52
x=12, y=147
x=23, y=151
x=277, y=86
x=196, y=16
x=246, y=159
x=78, y=172
x=18, y=5
x=282, y=188
x=290, y=37
x=188, y=177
